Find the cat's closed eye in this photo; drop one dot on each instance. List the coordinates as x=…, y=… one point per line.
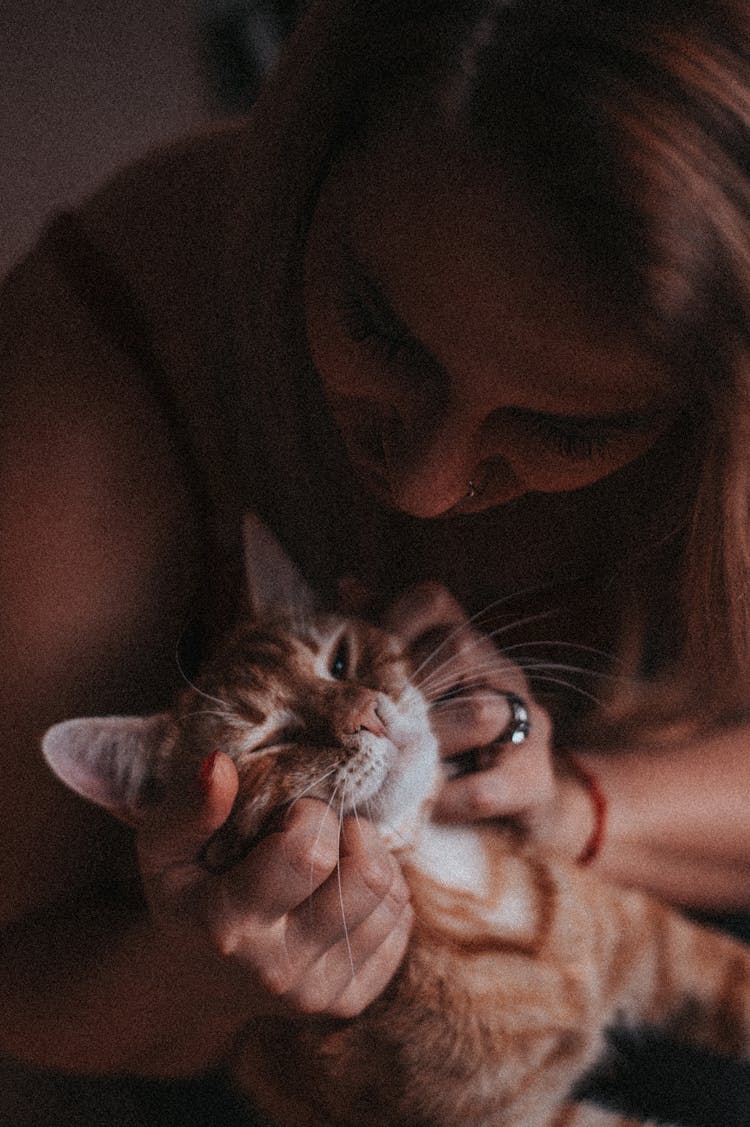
x=281, y=738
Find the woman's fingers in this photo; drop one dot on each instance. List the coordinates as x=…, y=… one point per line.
x=285, y=868
x=422, y=609
x=482, y=714
x=465, y=680
x=521, y=780
x=353, y=972
x=316, y=911
x=370, y=981
x=318, y=944
x=357, y=924
x=367, y=886
x=316, y=917
x=175, y=834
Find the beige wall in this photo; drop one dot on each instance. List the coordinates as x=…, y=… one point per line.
x=85, y=86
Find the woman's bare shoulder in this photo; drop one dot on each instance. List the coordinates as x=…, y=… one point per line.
x=98, y=564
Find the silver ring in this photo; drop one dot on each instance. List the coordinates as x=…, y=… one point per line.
x=519, y=725
x=515, y=732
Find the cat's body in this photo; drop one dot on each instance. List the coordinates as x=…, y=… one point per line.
x=518, y=963
x=502, y=1004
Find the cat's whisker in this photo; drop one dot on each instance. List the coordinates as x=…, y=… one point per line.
x=573, y=688
x=559, y=644
x=443, y=668
x=481, y=673
x=226, y=716
x=459, y=701
x=477, y=641
x=315, y=783
x=192, y=685
x=531, y=668
x=349, y=951
x=262, y=752
x=355, y=813
x=478, y=678
x=323, y=818
x=472, y=621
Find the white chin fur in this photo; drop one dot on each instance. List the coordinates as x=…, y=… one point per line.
x=401, y=806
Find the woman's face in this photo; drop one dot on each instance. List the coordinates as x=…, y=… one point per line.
x=452, y=347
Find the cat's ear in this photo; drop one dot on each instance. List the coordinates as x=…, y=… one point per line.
x=106, y=759
x=273, y=582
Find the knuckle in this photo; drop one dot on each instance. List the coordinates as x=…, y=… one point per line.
x=481, y=804
x=224, y=942
x=464, y=644
x=351, y=1005
x=436, y=598
x=312, y=999
x=276, y=978
x=377, y=876
x=311, y=856
x=352, y=1002
x=485, y=714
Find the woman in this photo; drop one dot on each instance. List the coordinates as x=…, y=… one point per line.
x=465, y=300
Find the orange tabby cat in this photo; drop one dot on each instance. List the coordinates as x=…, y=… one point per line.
x=518, y=962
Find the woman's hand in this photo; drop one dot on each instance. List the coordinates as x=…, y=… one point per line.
x=312, y=920
x=463, y=675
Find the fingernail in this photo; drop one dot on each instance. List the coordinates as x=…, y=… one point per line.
x=206, y=771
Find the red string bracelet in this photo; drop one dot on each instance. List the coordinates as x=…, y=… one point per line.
x=598, y=799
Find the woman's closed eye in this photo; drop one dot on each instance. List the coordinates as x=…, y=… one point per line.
x=581, y=438
x=367, y=318
x=575, y=438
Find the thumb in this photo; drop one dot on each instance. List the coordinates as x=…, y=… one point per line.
x=176, y=834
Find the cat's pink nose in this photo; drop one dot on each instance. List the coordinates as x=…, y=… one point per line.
x=365, y=715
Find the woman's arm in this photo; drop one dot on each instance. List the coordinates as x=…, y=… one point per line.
x=678, y=820
x=107, y=961
x=99, y=984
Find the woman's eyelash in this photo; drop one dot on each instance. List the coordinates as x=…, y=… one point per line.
x=571, y=443
x=577, y=440
x=366, y=325
x=582, y=439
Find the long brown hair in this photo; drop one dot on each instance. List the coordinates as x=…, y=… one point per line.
x=627, y=122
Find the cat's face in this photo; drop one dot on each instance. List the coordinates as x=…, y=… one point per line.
x=313, y=705
x=323, y=710
x=306, y=704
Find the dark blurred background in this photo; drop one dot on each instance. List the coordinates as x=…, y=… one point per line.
x=88, y=85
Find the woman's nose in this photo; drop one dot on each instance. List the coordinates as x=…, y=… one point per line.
x=429, y=470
